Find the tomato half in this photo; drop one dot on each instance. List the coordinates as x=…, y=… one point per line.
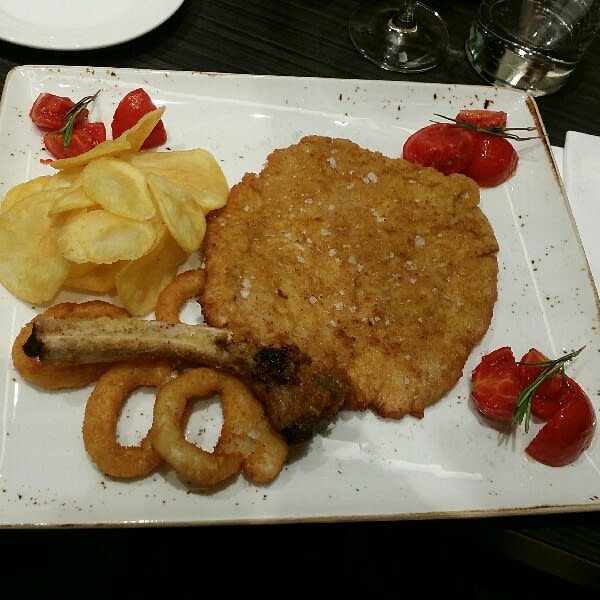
x=496, y=385
x=48, y=111
x=569, y=432
x=132, y=107
x=493, y=161
x=483, y=118
x=548, y=397
x=449, y=148
x=84, y=137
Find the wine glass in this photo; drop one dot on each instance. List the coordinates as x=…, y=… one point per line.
x=399, y=35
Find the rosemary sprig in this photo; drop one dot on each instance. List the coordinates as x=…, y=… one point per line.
x=71, y=116
x=496, y=130
x=549, y=368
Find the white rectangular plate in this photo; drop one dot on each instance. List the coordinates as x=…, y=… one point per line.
x=450, y=463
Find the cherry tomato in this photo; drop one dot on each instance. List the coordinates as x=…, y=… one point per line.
x=48, y=111
x=454, y=148
x=84, y=137
x=493, y=161
x=569, y=432
x=445, y=146
x=130, y=110
x=548, y=397
x=497, y=385
x=483, y=118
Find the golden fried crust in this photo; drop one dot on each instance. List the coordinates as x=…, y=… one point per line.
x=384, y=266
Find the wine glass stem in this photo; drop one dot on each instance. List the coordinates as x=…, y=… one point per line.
x=404, y=19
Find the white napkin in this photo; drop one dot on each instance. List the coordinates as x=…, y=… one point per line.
x=579, y=164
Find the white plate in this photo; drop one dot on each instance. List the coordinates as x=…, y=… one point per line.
x=450, y=463
x=80, y=24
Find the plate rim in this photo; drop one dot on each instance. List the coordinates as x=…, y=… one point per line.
x=39, y=39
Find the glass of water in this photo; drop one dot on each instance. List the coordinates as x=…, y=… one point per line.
x=532, y=45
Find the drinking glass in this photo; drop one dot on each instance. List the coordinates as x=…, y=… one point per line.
x=532, y=45
x=399, y=35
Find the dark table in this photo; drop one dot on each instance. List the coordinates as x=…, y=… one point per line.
x=498, y=557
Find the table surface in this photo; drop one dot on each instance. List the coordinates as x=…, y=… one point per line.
x=309, y=38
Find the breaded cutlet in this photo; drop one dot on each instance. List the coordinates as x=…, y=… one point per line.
x=387, y=268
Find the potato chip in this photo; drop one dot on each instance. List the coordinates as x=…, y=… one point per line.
x=101, y=237
x=137, y=134
x=176, y=206
x=22, y=190
x=31, y=264
x=96, y=279
x=68, y=178
x=195, y=170
x=80, y=269
x=112, y=218
x=72, y=199
x=119, y=188
x=107, y=148
x=140, y=281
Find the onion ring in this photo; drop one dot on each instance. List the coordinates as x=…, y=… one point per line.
x=234, y=445
x=102, y=413
x=185, y=286
x=55, y=377
x=247, y=430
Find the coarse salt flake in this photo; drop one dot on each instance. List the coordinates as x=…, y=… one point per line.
x=419, y=241
x=378, y=217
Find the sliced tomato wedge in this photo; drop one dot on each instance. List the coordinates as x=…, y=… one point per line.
x=483, y=118
x=569, y=431
x=96, y=129
x=498, y=381
x=84, y=137
x=493, y=161
x=48, y=111
x=496, y=385
x=444, y=146
x=132, y=107
x=548, y=396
